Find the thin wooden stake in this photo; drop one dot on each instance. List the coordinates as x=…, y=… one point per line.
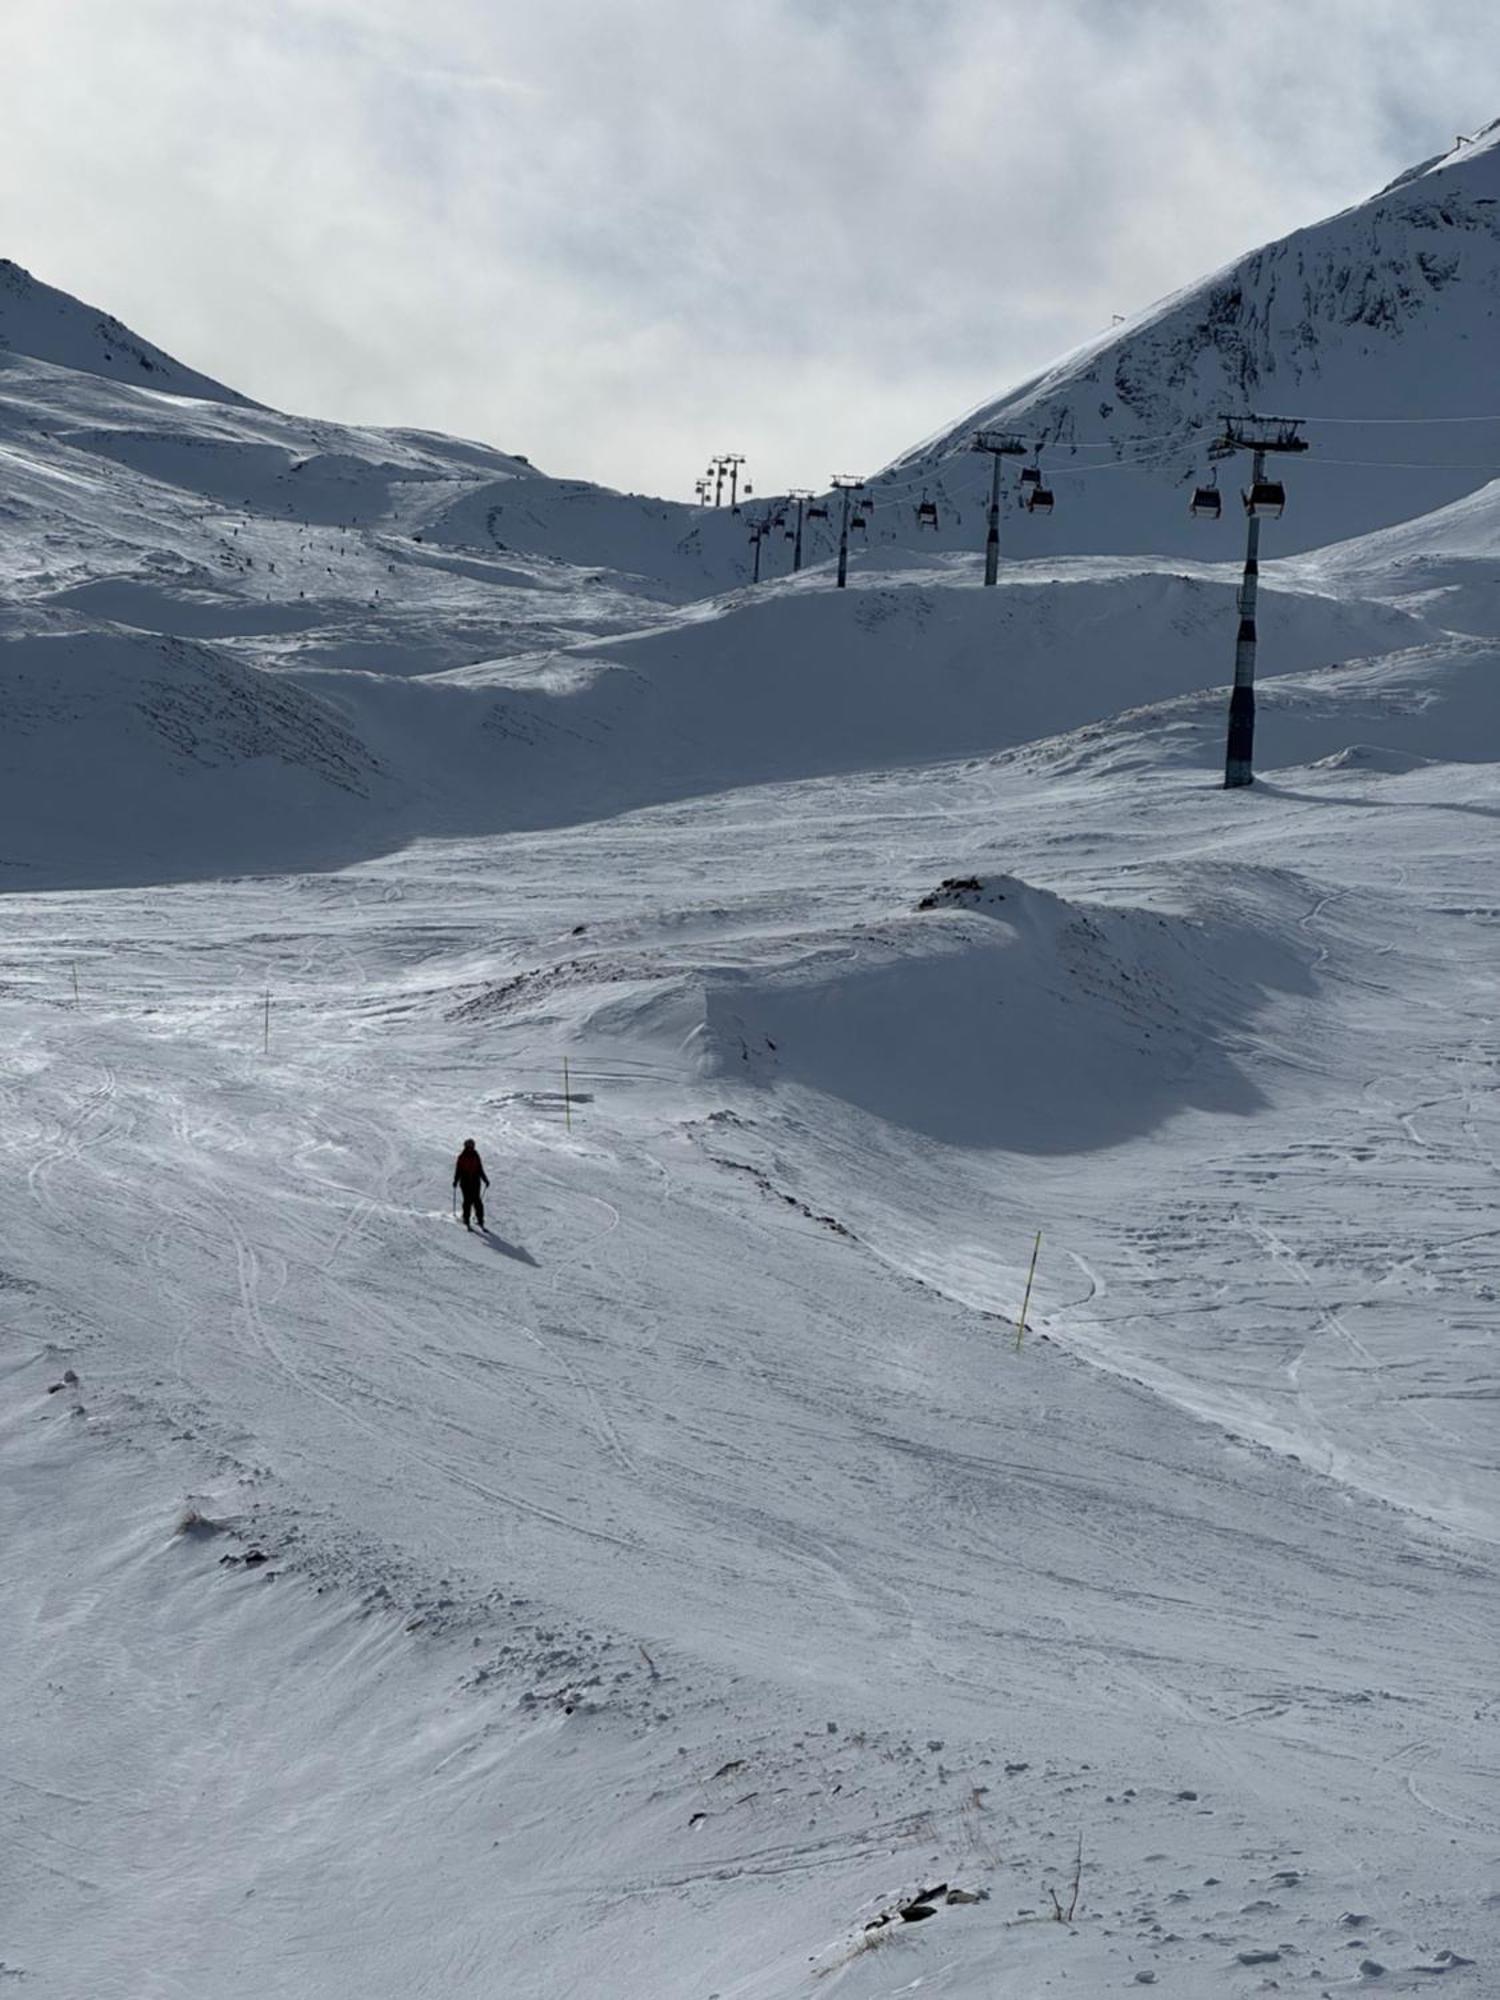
x=76, y=1001
x=267, y=1041
x=567, y=1096
x=1026, y=1302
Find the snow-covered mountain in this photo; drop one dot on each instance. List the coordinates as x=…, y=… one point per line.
x=1379, y=327
x=47, y=325
x=498, y=647
x=730, y=1575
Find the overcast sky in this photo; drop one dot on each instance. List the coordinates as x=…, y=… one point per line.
x=621, y=235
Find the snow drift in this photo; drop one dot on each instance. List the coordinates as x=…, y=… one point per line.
x=1009, y=1018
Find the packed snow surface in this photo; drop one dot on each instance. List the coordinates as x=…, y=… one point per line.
x=701, y=1584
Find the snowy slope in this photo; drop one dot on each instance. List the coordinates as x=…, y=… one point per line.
x=1444, y=566
x=661, y=1590
x=478, y=679
x=49, y=325
x=912, y=665
x=655, y=1595
x=134, y=756
x=1378, y=326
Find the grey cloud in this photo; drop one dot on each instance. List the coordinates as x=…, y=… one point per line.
x=621, y=237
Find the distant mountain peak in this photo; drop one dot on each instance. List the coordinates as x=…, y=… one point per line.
x=49, y=325
x=1461, y=149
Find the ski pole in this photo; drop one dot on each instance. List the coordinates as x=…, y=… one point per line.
x=1025, y=1305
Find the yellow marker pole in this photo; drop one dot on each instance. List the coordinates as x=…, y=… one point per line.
x=1025, y=1303
x=567, y=1096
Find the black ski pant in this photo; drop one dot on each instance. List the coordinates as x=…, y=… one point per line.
x=473, y=1201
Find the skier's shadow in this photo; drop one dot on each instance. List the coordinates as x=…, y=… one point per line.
x=515, y=1251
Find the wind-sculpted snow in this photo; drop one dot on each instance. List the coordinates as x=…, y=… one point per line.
x=909, y=668
x=124, y=754
x=913, y=666
x=959, y=1024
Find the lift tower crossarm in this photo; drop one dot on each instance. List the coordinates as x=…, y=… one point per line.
x=1260, y=434
x=1000, y=444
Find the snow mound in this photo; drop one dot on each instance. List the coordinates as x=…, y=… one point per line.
x=1002, y=1016
x=1372, y=757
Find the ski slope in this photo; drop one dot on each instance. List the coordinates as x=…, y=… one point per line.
x=657, y=1595
x=724, y=1437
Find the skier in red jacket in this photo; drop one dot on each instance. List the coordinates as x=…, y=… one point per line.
x=468, y=1177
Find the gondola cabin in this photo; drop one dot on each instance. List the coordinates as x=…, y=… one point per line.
x=1207, y=505
x=927, y=514
x=1266, y=496
x=1039, y=500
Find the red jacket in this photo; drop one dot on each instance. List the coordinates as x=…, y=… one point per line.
x=468, y=1169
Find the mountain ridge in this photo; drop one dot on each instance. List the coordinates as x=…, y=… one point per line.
x=49, y=325
x=1344, y=313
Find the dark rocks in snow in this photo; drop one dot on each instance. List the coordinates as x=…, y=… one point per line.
x=924, y=1904
x=251, y=1559
x=955, y=889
